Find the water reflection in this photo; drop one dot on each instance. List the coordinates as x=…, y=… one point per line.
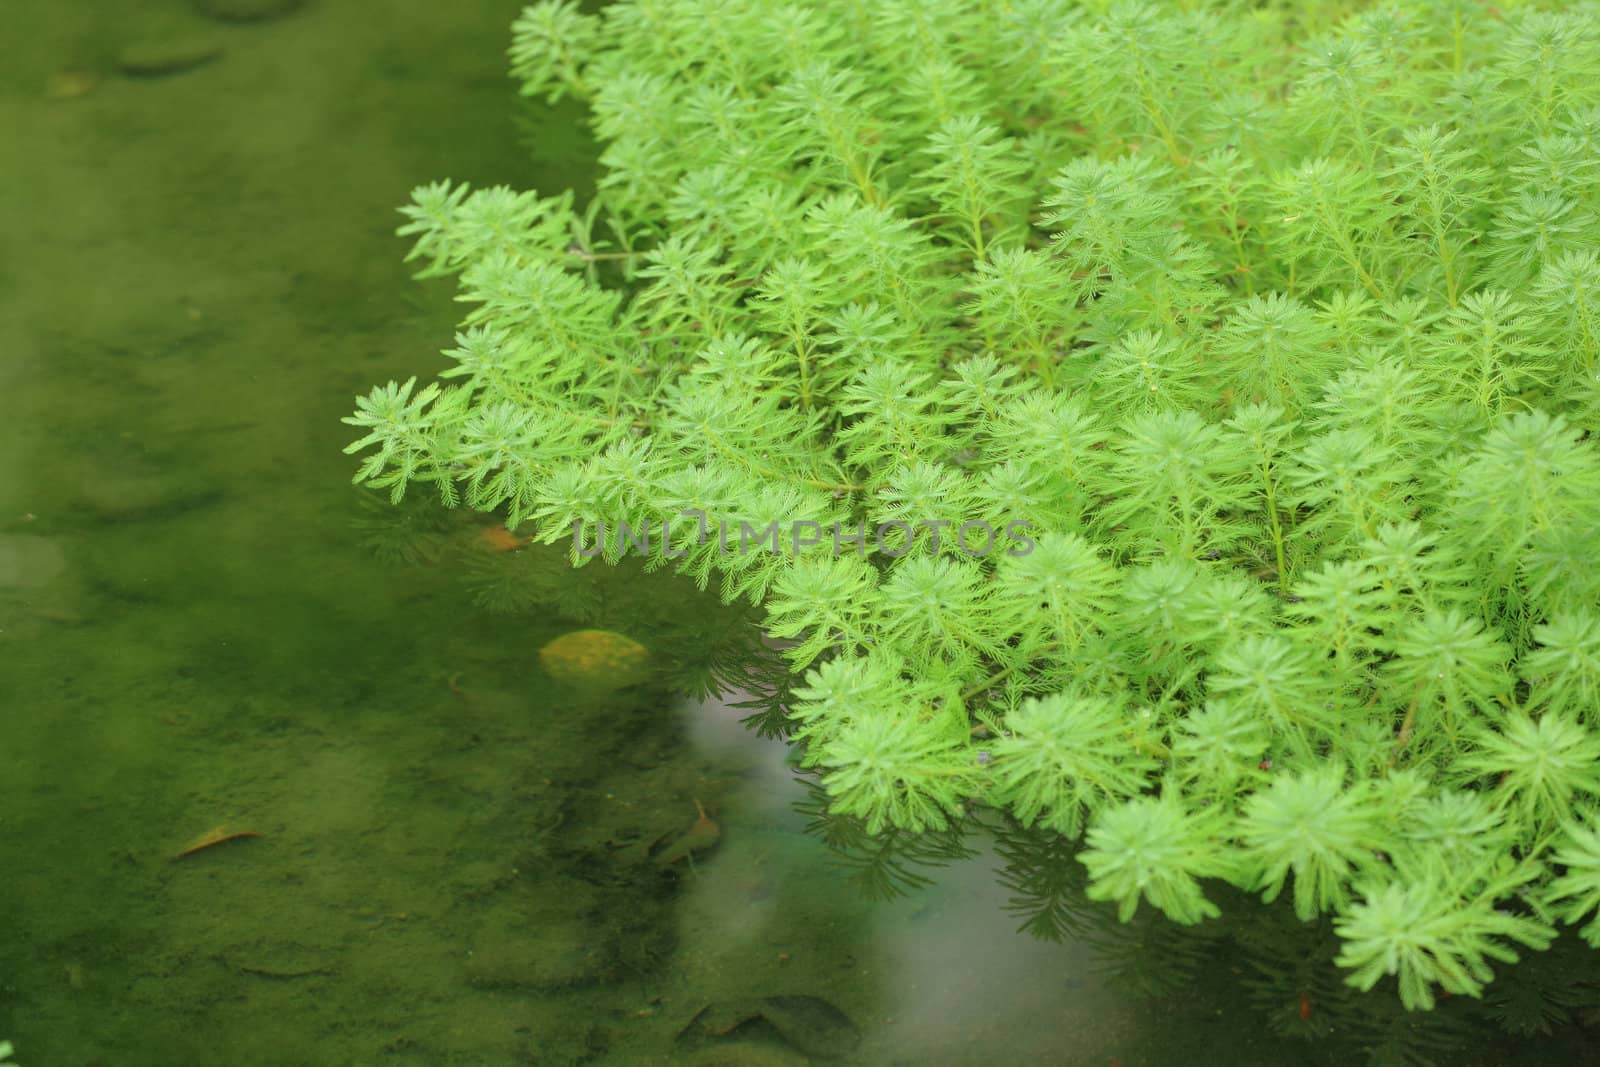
x=981, y=948
x=939, y=973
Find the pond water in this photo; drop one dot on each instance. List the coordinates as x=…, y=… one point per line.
x=286, y=779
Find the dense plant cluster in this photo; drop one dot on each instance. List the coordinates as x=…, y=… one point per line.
x=1281, y=339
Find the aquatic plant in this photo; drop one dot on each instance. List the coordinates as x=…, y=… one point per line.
x=1172, y=425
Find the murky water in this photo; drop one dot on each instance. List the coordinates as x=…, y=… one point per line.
x=450, y=856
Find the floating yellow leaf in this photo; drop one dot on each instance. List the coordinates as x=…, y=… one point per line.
x=596, y=660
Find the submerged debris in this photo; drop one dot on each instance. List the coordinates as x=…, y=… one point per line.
x=596, y=660
x=805, y=1023
x=703, y=835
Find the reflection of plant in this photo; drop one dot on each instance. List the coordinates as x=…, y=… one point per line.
x=768, y=694
x=1281, y=348
x=885, y=865
x=515, y=583
x=1394, y=1037
x=1046, y=881
x=1150, y=957
x=1288, y=974
x=1545, y=990
x=415, y=531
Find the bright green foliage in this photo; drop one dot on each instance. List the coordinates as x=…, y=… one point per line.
x=1152, y=849
x=1065, y=755
x=1266, y=339
x=1310, y=824
x=1579, y=888
x=1422, y=931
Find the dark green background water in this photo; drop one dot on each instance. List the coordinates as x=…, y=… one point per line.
x=197, y=274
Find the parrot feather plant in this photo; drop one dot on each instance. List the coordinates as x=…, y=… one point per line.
x=1267, y=337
